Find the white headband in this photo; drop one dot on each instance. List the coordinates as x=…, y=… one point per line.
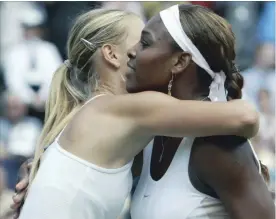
x=171, y=20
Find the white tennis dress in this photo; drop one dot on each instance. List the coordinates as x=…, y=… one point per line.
x=67, y=187
x=174, y=196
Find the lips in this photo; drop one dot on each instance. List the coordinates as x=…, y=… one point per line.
x=130, y=66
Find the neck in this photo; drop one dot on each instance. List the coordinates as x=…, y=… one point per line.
x=189, y=90
x=111, y=82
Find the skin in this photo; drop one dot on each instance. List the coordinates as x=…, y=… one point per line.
x=134, y=119
x=235, y=180
x=154, y=52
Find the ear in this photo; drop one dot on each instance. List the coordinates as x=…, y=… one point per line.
x=181, y=62
x=110, y=55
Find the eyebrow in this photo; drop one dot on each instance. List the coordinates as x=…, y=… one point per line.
x=148, y=34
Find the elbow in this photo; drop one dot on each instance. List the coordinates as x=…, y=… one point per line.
x=249, y=123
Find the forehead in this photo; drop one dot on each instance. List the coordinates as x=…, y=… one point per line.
x=156, y=28
x=134, y=29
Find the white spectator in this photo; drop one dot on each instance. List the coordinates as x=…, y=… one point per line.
x=19, y=133
x=11, y=14
x=31, y=63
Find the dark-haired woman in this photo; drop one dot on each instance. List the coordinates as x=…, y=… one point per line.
x=185, y=178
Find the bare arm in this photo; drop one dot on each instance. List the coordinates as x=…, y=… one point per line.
x=155, y=113
x=231, y=171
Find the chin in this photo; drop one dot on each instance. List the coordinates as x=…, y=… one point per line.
x=133, y=86
x=131, y=89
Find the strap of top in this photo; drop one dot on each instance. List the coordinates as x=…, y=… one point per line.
x=88, y=101
x=256, y=157
x=93, y=98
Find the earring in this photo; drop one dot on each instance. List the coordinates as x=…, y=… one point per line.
x=170, y=86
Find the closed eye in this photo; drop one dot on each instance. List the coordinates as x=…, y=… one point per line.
x=144, y=44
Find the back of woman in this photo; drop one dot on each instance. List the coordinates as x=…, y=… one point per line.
x=70, y=187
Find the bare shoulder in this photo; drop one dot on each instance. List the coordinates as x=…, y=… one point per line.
x=100, y=135
x=129, y=104
x=122, y=110
x=146, y=98
x=116, y=107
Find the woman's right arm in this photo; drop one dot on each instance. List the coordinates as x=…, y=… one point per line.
x=153, y=113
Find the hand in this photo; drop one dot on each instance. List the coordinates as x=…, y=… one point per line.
x=21, y=187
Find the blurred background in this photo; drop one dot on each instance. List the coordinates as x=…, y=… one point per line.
x=33, y=39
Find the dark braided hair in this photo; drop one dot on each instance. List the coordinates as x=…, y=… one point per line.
x=265, y=172
x=234, y=83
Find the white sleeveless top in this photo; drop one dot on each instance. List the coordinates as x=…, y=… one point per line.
x=67, y=187
x=173, y=196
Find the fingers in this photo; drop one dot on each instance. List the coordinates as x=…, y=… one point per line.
x=26, y=166
x=15, y=206
x=16, y=215
x=24, y=170
x=29, y=164
x=21, y=188
x=22, y=185
x=18, y=198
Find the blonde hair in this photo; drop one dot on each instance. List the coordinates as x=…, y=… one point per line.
x=74, y=84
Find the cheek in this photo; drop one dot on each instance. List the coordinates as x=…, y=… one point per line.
x=153, y=65
x=123, y=63
x=123, y=59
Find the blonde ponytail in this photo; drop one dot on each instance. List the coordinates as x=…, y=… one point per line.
x=62, y=104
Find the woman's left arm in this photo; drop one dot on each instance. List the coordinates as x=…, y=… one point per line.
x=227, y=166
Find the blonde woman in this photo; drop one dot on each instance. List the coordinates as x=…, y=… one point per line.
x=93, y=129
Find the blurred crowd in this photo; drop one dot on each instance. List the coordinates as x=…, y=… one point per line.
x=33, y=44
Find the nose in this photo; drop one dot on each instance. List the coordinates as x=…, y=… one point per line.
x=131, y=53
